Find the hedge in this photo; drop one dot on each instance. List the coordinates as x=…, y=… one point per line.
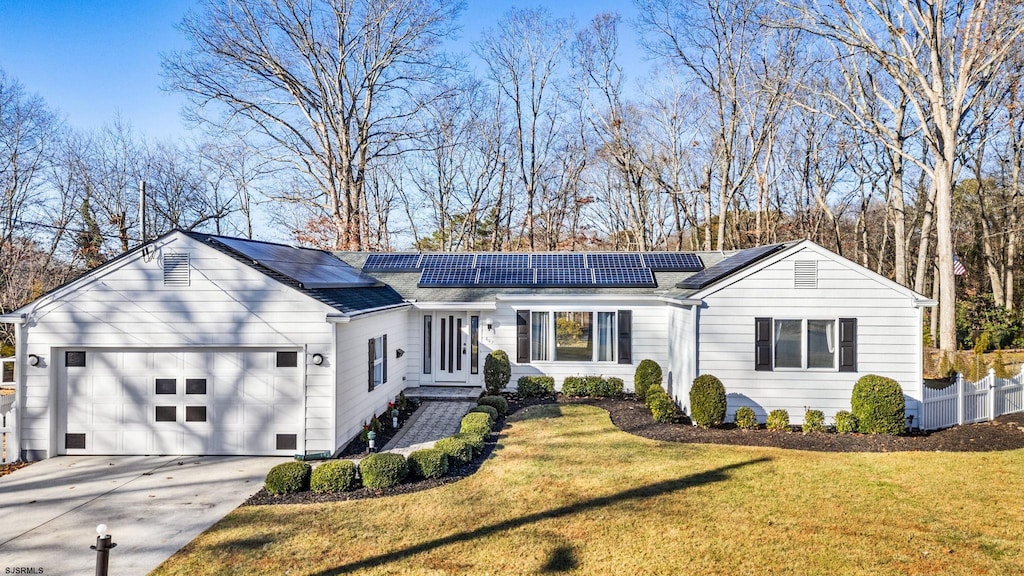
x=383, y=470
x=530, y=386
x=647, y=374
x=428, y=463
x=489, y=410
x=878, y=405
x=497, y=402
x=497, y=371
x=457, y=449
x=476, y=423
x=334, y=476
x=288, y=478
x=707, y=401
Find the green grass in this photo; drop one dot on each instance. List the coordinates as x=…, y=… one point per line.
x=567, y=492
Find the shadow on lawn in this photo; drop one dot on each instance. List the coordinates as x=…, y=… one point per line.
x=560, y=559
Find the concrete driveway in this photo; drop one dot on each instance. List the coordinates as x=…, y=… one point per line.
x=153, y=505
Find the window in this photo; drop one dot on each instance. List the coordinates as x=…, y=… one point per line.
x=287, y=359
x=539, y=336
x=474, y=344
x=377, y=363
x=195, y=413
x=286, y=441
x=574, y=340
x=606, y=336
x=821, y=344
x=74, y=358
x=577, y=336
x=74, y=441
x=195, y=386
x=797, y=344
x=428, y=339
x=166, y=413
x=166, y=386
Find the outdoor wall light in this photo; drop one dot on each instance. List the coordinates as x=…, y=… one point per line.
x=318, y=359
x=399, y=353
x=33, y=360
x=489, y=324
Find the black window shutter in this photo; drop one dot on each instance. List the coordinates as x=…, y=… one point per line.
x=384, y=362
x=763, y=344
x=847, y=344
x=625, y=336
x=523, y=336
x=369, y=366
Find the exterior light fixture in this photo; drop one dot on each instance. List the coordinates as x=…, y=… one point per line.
x=33, y=360
x=318, y=359
x=399, y=353
x=489, y=324
x=103, y=547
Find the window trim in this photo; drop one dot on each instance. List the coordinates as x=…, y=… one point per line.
x=618, y=355
x=374, y=360
x=802, y=345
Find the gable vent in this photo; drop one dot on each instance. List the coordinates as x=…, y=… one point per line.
x=805, y=274
x=176, y=270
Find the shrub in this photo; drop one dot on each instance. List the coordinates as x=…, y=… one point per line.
x=457, y=449
x=778, y=420
x=497, y=402
x=288, y=478
x=428, y=463
x=476, y=423
x=845, y=422
x=648, y=374
x=383, y=470
x=653, y=390
x=497, y=371
x=489, y=410
x=574, y=386
x=663, y=408
x=475, y=441
x=878, y=405
x=745, y=418
x=814, y=421
x=530, y=386
x=610, y=387
x=334, y=476
x=707, y=401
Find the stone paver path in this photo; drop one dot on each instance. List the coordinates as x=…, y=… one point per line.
x=431, y=422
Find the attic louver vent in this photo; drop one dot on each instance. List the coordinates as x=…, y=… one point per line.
x=805, y=274
x=176, y=270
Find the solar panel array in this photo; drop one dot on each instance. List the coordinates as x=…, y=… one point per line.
x=312, y=269
x=728, y=266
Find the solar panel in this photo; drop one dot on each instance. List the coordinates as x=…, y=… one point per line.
x=623, y=277
x=403, y=262
x=447, y=261
x=447, y=277
x=502, y=260
x=311, y=268
x=673, y=261
x=505, y=277
x=564, y=277
x=550, y=260
x=614, y=260
x=728, y=266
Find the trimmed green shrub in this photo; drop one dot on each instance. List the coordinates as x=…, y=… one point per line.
x=610, y=387
x=707, y=401
x=530, y=386
x=778, y=420
x=814, y=421
x=653, y=390
x=878, y=405
x=288, y=478
x=574, y=386
x=333, y=476
x=663, y=408
x=476, y=423
x=457, y=449
x=428, y=463
x=845, y=422
x=383, y=470
x=475, y=441
x=497, y=371
x=648, y=374
x=597, y=386
x=489, y=410
x=745, y=418
x=497, y=402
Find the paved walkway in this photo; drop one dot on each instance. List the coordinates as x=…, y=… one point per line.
x=431, y=422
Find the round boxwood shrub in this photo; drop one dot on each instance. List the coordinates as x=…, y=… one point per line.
x=878, y=405
x=288, y=478
x=845, y=422
x=530, y=386
x=814, y=421
x=652, y=391
x=663, y=408
x=457, y=449
x=574, y=386
x=476, y=423
x=497, y=402
x=475, y=441
x=647, y=374
x=707, y=401
x=489, y=410
x=333, y=476
x=427, y=463
x=745, y=418
x=610, y=387
x=383, y=470
x=497, y=371
x=778, y=420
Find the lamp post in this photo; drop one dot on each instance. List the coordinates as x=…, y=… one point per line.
x=372, y=437
x=103, y=547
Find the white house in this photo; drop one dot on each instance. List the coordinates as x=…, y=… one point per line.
x=201, y=344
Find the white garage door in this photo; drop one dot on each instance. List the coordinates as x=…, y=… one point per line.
x=236, y=401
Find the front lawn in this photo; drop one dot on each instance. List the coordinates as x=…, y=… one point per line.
x=567, y=492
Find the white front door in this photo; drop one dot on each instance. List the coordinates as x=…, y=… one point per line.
x=452, y=347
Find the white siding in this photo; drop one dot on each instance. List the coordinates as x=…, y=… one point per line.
x=888, y=335
x=126, y=305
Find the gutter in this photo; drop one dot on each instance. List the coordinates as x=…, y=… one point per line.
x=346, y=318
x=12, y=319
x=925, y=303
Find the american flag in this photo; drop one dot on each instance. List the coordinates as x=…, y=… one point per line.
x=958, y=266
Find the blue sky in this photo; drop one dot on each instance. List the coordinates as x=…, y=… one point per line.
x=92, y=59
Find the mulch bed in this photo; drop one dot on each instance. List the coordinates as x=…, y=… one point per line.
x=6, y=469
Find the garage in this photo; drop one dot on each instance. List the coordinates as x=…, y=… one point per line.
x=179, y=401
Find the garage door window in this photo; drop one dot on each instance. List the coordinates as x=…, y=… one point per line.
x=287, y=359
x=166, y=414
x=74, y=358
x=74, y=441
x=166, y=386
x=195, y=386
x=195, y=413
x=287, y=441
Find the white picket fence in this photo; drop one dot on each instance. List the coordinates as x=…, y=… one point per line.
x=965, y=402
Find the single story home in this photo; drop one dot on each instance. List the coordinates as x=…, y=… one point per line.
x=203, y=344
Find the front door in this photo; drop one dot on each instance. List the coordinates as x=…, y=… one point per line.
x=452, y=347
